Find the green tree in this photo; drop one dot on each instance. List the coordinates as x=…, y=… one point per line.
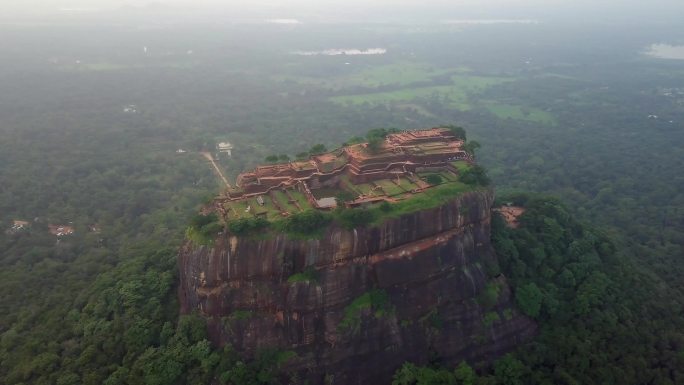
x=529, y=299
x=351, y=218
x=245, y=226
x=376, y=138
x=509, y=370
x=457, y=131
x=471, y=146
x=343, y=197
x=375, y=144
x=317, y=149
x=354, y=140
x=307, y=222
x=475, y=175
x=465, y=375
x=272, y=159
x=406, y=375
x=434, y=179
x=386, y=207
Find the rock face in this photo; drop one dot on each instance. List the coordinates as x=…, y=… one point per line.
x=355, y=305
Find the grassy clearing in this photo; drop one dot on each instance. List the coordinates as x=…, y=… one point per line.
x=432, y=197
x=300, y=198
x=397, y=74
x=455, y=95
x=390, y=187
x=447, y=176
x=349, y=186
x=326, y=192
x=366, y=188
x=461, y=165
x=403, y=73
x=284, y=201
x=110, y=66
x=236, y=210
x=416, y=108
x=268, y=208
x=477, y=83
x=510, y=111
x=311, y=223
x=407, y=184
x=444, y=175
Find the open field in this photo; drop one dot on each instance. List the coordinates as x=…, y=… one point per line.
x=431, y=197
x=300, y=198
x=389, y=187
x=284, y=201
x=509, y=111
x=268, y=208
x=236, y=210
x=448, y=176
x=461, y=165
x=397, y=74
x=366, y=189
x=407, y=184
x=112, y=66
x=409, y=82
x=455, y=95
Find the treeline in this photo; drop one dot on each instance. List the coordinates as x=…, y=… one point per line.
x=125, y=329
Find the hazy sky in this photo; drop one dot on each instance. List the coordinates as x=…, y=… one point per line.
x=293, y=8
x=55, y=4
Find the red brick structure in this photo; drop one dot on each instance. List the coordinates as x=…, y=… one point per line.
x=400, y=155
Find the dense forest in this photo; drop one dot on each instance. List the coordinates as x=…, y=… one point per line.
x=597, y=323
x=90, y=128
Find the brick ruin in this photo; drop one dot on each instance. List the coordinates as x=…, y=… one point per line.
x=401, y=155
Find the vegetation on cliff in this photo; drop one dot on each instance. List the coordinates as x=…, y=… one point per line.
x=584, y=294
x=312, y=223
x=375, y=302
x=203, y=229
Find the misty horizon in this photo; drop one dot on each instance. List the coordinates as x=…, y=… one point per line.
x=407, y=11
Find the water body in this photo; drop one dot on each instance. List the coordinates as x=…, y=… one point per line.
x=343, y=51
x=79, y=10
x=491, y=21
x=666, y=51
x=283, y=21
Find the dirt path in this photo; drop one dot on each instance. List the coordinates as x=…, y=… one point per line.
x=218, y=170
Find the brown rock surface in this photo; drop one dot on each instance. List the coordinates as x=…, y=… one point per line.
x=427, y=264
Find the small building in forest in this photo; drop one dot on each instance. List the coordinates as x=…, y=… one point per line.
x=18, y=226
x=225, y=148
x=60, y=230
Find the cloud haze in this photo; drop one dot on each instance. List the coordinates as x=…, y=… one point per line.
x=569, y=9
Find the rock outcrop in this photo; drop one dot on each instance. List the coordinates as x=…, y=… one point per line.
x=355, y=305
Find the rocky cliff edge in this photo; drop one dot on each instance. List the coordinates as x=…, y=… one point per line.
x=354, y=305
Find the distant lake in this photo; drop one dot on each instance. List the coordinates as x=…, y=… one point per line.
x=666, y=51
x=491, y=21
x=343, y=51
x=283, y=21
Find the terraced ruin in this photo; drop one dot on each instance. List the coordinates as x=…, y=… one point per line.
x=394, y=170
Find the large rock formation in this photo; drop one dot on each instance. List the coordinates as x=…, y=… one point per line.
x=355, y=305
